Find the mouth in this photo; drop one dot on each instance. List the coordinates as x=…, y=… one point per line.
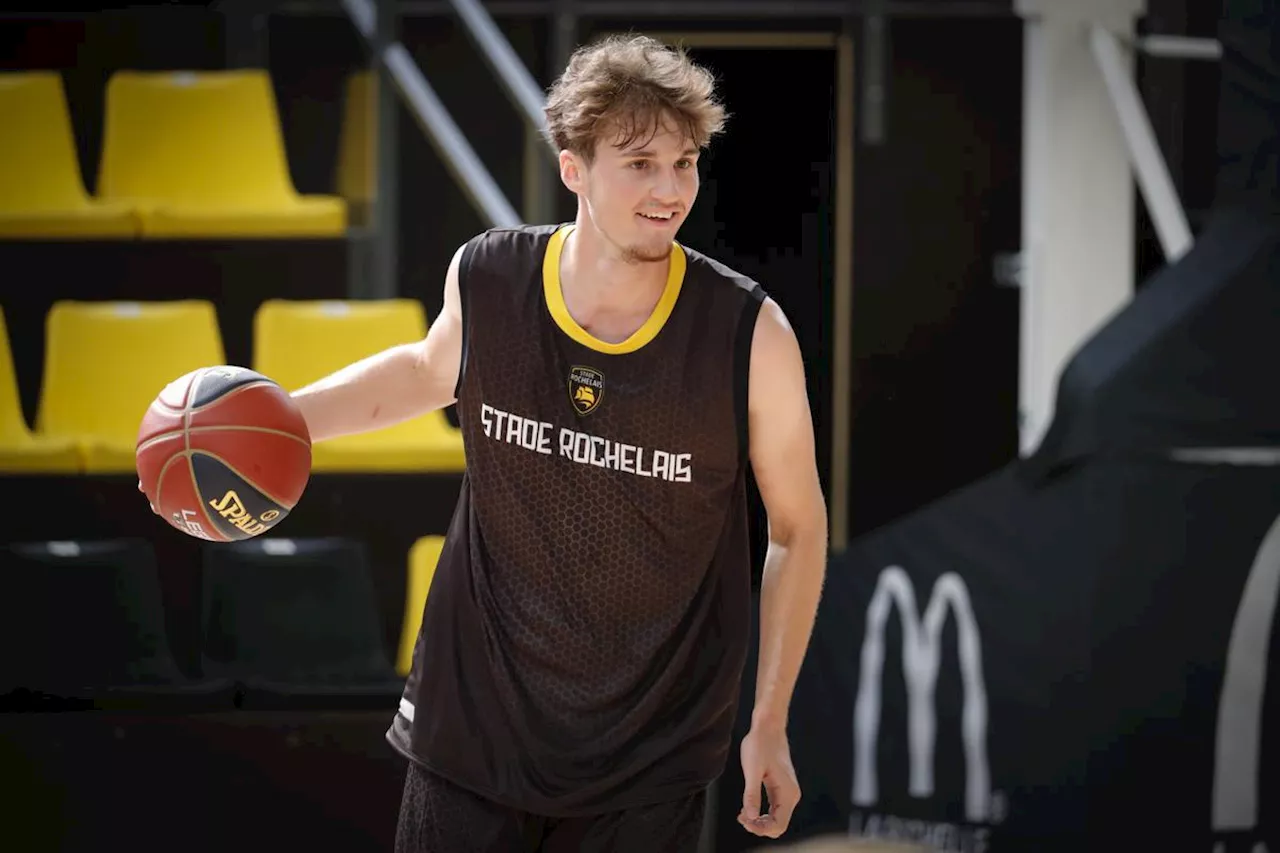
x=659, y=217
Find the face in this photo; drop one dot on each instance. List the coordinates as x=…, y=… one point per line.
x=638, y=196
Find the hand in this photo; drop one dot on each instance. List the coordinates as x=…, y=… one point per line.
x=153, y=506
x=766, y=760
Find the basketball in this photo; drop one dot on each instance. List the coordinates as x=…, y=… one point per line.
x=223, y=453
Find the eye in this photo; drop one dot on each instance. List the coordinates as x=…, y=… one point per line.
x=684, y=164
x=638, y=164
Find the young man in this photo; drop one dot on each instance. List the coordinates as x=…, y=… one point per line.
x=575, y=680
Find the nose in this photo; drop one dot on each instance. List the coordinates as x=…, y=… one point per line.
x=666, y=188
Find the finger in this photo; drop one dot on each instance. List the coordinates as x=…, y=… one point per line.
x=751, y=802
x=751, y=791
x=783, y=798
x=761, y=826
x=781, y=818
x=768, y=827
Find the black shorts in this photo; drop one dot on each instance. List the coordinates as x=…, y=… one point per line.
x=437, y=816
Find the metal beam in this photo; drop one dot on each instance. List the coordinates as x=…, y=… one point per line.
x=564, y=34
x=563, y=38
x=449, y=141
x=1158, y=191
x=673, y=9
x=743, y=39
x=538, y=188
x=525, y=93
x=875, y=76
x=842, y=300
x=796, y=9
x=444, y=134
x=1180, y=47
x=384, y=243
x=542, y=187
x=751, y=39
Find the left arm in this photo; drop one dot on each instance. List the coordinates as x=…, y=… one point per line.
x=782, y=459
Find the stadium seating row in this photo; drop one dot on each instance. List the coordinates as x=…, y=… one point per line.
x=282, y=622
x=191, y=155
x=105, y=362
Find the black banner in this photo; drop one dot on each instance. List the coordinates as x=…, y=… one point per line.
x=1077, y=653
x=1187, y=363
x=1020, y=669
x=945, y=646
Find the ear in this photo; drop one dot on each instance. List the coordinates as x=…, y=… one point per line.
x=571, y=171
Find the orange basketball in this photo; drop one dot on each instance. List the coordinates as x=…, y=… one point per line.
x=223, y=453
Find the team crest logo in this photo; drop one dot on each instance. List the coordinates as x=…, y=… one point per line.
x=586, y=388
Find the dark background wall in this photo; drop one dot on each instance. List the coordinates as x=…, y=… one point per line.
x=937, y=202
x=935, y=342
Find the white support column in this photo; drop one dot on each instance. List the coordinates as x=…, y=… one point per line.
x=1078, y=195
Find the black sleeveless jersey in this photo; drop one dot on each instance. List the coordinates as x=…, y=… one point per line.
x=583, y=639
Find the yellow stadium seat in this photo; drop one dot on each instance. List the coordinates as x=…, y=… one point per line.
x=43, y=195
x=202, y=156
x=298, y=342
x=21, y=452
x=357, y=172
x=423, y=556
x=106, y=361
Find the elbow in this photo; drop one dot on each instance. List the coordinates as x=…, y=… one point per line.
x=417, y=359
x=806, y=532
x=425, y=386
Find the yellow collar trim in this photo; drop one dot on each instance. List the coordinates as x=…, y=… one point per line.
x=560, y=312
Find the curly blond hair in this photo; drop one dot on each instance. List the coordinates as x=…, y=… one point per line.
x=628, y=86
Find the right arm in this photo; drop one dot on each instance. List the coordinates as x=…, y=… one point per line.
x=394, y=385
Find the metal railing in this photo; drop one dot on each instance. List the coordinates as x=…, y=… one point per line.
x=497, y=52
x=443, y=132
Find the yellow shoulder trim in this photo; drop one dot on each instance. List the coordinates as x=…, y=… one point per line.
x=560, y=313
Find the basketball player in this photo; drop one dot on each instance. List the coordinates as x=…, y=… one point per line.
x=575, y=681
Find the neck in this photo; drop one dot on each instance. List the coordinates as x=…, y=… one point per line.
x=597, y=273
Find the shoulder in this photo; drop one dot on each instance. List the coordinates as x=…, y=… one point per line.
x=722, y=280
x=773, y=331
x=763, y=326
x=520, y=238
x=502, y=252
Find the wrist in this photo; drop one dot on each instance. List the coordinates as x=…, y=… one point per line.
x=768, y=719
